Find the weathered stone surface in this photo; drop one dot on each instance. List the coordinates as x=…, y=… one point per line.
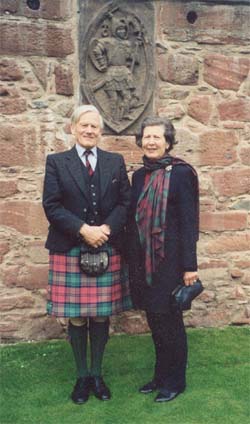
x=56, y=9
x=9, y=70
x=8, y=6
x=30, y=39
x=245, y=155
x=232, y=183
x=241, y=204
x=30, y=277
x=64, y=80
x=179, y=69
x=173, y=93
x=37, y=252
x=230, y=243
x=214, y=263
x=124, y=145
x=7, y=188
x=223, y=221
x=4, y=248
x=40, y=70
x=225, y=72
x=21, y=141
x=24, y=216
x=235, y=110
x=172, y=111
x=11, y=102
x=16, y=302
x=200, y=108
x=217, y=148
x=213, y=24
x=236, y=273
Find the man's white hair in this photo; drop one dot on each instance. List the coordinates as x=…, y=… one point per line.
x=81, y=110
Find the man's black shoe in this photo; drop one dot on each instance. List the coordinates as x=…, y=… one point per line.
x=81, y=390
x=99, y=388
x=167, y=396
x=149, y=387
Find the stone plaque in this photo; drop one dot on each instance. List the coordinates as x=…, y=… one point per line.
x=116, y=48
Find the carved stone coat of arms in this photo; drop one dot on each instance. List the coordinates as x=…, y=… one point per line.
x=117, y=71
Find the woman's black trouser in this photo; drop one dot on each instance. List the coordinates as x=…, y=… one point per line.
x=170, y=341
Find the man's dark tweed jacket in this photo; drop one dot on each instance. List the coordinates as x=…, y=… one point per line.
x=66, y=197
x=181, y=237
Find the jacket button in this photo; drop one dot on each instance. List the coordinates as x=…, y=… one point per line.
x=84, y=210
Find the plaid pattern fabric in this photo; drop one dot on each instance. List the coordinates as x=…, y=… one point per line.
x=71, y=293
x=151, y=218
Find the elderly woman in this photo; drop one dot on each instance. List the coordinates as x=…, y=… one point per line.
x=163, y=233
x=86, y=199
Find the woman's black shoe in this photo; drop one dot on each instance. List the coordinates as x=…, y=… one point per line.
x=149, y=387
x=81, y=390
x=99, y=388
x=167, y=395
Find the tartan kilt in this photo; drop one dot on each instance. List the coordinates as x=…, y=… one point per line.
x=71, y=293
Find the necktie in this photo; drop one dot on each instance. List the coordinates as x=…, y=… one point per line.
x=88, y=166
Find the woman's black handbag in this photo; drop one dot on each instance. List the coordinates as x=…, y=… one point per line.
x=183, y=295
x=93, y=261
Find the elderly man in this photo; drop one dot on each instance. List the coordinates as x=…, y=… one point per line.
x=86, y=199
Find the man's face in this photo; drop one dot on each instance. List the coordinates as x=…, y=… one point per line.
x=153, y=142
x=87, y=130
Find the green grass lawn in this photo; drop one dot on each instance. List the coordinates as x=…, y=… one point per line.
x=37, y=379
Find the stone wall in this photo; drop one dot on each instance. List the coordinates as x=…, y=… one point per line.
x=203, y=84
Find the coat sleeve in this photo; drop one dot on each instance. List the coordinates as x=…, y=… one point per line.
x=119, y=213
x=188, y=211
x=58, y=216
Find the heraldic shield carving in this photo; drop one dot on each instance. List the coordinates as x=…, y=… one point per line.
x=117, y=66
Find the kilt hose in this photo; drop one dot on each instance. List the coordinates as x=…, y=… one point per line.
x=71, y=293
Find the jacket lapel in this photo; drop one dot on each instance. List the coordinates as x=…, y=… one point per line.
x=75, y=168
x=105, y=168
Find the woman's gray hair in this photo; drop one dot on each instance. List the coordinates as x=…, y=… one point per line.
x=169, y=130
x=81, y=110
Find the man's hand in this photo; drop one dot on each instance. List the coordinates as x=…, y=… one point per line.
x=190, y=277
x=95, y=236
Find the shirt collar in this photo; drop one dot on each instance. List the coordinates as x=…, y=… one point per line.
x=80, y=150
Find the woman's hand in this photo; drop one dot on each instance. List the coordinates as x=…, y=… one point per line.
x=190, y=277
x=95, y=236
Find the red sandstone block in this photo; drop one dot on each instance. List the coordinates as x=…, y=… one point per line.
x=31, y=38
x=213, y=263
x=245, y=155
x=8, y=303
x=200, y=108
x=225, y=72
x=40, y=70
x=231, y=243
x=179, y=69
x=204, y=23
x=7, y=188
x=217, y=148
x=235, y=110
x=232, y=183
x=10, y=101
x=223, y=221
x=125, y=145
x=24, y=216
x=10, y=71
x=64, y=80
x=31, y=277
x=4, y=248
x=22, y=141
x=56, y=9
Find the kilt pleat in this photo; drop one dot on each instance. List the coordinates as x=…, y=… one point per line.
x=71, y=293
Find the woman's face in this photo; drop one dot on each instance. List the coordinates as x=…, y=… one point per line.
x=153, y=142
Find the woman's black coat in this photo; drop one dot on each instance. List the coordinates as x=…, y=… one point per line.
x=181, y=238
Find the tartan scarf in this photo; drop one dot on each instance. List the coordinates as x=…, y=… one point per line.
x=151, y=211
